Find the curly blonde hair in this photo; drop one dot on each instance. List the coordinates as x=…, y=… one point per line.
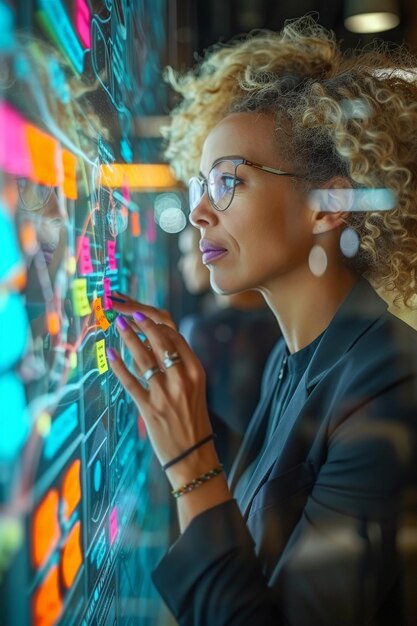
x=353, y=115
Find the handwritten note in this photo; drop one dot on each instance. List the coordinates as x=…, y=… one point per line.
x=85, y=265
x=107, y=294
x=111, y=252
x=101, y=356
x=99, y=313
x=79, y=297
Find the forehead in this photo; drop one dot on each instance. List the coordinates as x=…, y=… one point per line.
x=250, y=135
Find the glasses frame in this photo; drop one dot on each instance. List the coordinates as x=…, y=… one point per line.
x=236, y=160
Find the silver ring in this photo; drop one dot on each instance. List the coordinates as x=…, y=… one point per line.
x=170, y=361
x=170, y=355
x=146, y=376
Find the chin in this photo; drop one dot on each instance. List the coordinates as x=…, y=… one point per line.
x=224, y=290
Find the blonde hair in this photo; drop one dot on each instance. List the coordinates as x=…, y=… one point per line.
x=351, y=115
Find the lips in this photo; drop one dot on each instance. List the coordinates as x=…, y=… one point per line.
x=211, y=250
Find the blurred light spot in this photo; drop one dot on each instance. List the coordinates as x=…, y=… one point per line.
x=352, y=200
x=172, y=220
x=349, y=242
x=71, y=265
x=43, y=424
x=317, y=260
x=165, y=201
x=375, y=22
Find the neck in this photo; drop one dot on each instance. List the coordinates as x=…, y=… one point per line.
x=304, y=305
x=243, y=300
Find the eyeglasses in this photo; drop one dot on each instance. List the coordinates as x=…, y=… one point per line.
x=33, y=196
x=221, y=182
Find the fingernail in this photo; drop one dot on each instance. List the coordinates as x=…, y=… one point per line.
x=121, y=322
x=111, y=355
x=138, y=316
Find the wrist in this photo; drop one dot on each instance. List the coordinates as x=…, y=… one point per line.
x=195, y=464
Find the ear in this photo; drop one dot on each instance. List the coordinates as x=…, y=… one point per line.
x=330, y=204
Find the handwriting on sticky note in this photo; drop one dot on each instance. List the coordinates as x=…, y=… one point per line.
x=85, y=265
x=79, y=297
x=101, y=356
x=99, y=313
x=111, y=252
x=107, y=294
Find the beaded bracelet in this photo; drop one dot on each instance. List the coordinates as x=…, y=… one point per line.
x=197, y=482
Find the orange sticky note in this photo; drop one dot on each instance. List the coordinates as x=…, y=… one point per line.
x=135, y=224
x=99, y=313
x=71, y=489
x=53, y=322
x=43, y=152
x=69, y=185
x=47, y=601
x=45, y=528
x=71, y=555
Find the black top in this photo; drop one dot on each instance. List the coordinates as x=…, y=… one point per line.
x=290, y=373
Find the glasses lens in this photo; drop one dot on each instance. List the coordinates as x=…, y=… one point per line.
x=221, y=184
x=195, y=192
x=32, y=196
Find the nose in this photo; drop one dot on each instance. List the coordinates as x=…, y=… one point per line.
x=203, y=214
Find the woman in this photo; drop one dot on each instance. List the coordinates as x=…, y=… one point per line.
x=297, y=144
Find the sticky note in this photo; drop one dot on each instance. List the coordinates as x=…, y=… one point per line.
x=114, y=525
x=14, y=150
x=85, y=265
x=47, y=600
x=69, y=184
x=79, y=297
x=99, y=313
x=107, y=294
x=83, y=22
x=71, y=489
x=43, y=152
x=111, y=251
x=45, y=528
x=72, y=557
x=101, y=356
x=135, y=224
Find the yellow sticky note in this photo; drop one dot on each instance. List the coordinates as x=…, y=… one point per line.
x=79, y=297
x=101, y=356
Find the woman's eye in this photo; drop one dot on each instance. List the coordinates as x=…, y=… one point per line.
x=228, y=181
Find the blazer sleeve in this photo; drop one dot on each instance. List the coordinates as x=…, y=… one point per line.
x=212, y=576
x=339, y=564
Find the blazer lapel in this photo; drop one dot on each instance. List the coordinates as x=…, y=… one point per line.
x=254, y=437
x=361, y=309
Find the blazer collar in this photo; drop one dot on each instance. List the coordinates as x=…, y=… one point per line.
x=360, y=309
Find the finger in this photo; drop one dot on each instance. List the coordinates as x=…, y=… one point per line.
x=164, y=339
x=143, y=358
x=159, y=316
x=129, y=382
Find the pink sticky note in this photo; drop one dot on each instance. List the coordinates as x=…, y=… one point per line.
x=107, y=294
x=83, y=22
x=85, y=265
x=111, y=251
x=114, y=525
x=14, y=150
x=150, y=227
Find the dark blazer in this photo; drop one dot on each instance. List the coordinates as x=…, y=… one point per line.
x=314, y=538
